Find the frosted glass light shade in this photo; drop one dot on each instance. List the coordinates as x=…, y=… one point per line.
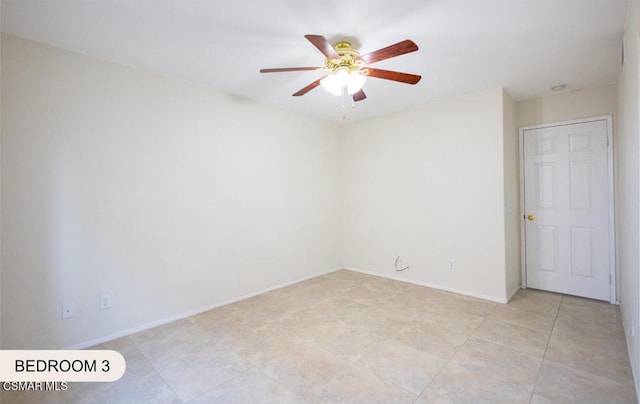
x=336, y=82
x=356, y=81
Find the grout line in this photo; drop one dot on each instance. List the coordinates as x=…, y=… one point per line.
x=155, y=369
x=544, y=355
x=454, y=354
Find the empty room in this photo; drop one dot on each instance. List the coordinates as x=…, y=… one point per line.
x=319, y=202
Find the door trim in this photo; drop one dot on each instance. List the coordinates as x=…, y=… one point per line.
x=612, y=251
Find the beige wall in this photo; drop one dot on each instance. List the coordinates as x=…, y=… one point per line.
x=168, y=196
x=566, y=106
x=428, y=185
x=627, y=188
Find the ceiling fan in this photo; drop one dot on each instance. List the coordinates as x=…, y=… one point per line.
x=348, y=70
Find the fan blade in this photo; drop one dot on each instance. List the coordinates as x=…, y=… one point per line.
x=308, y=88
x=323, y=46
x=400, y=48
x=289, y=69
x=359, y=96
x=395, y=76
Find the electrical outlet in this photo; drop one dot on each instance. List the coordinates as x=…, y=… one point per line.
x=105, y=301
x=68, y=310
x=452, y=264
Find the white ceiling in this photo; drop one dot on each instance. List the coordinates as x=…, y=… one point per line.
x=466, y=46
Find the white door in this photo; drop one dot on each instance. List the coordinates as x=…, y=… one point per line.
x=566, y=208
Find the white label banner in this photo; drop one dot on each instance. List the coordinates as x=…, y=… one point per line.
x=61, y=366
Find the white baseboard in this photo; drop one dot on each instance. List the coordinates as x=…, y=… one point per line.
x=180, y=316
x=433, y=286
x=634, y=371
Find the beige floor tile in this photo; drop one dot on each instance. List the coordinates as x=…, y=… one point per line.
x=79, y=392
x=268, y=307
x=598, y=311
x=521, y=338
x=602, y=359
x=437, y=342
x=34, y=397
x=167, y=348
x=298, y=288
x=344, y=340
x=301, y=298
x=566, y=385
x=166, y=331
x=591, y=304
x=456, y=384
x=147, y=389
x=137, y=363
x=577, y=326
x=334, y=309
x=369, y=295
x=384, y=285
x=416, y=293
x=226, y=323
x=122, y=345
x=595, y=313
x=376, y=292
x=536, y=301
x=257, y=351
x=198, y=371
x=401, y=365
x=379, y=324
x=211, y=318
x=524, y=318
x=538, y=399
x=251, y=387
x=340, y=281
x=284, y=331
x=338, y=307
x=409, y=306
x=137, y=366
x=597, y=338
x=351, y=337
x=468, y=304
x=498, y=361
x=452, y=318
x=357, y=385
x=304, y=370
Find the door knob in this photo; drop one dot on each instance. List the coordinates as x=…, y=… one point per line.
x=531, y=217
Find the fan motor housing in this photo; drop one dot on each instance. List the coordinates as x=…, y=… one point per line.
x=349, y=58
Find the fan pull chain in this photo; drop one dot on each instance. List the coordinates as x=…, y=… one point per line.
x=345, y=95
x=344, y=101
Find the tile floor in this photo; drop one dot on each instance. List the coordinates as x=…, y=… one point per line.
x=349, y=337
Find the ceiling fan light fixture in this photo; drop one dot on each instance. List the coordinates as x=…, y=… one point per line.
x=356, y=81
x=347, y=70
x=335, y=83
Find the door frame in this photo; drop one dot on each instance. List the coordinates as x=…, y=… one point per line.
x=610, y=178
